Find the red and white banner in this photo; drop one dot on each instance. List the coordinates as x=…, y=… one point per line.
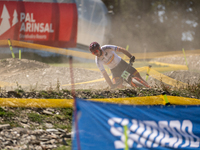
x=52, y=24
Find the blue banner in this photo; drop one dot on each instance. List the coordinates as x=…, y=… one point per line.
x=106, y=126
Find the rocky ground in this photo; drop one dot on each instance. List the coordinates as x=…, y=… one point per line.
x=22, y=139
x=47, y=128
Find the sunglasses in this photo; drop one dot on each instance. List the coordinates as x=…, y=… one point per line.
x=94, y=52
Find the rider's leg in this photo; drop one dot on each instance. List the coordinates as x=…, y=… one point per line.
x=118, y=80
x=136, y=75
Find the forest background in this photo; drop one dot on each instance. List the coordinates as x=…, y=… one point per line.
x=154, y=25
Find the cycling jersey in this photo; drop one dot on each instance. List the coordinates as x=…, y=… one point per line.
x=109, y=57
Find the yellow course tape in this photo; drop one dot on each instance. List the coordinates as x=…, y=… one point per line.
x=151, y=100
x=153, y=73
x=63, y=103
x=165, y=69
x=166, y=79
x=102, y=79
x=3, y=42
x=151, y=55
x=92, y=81
x=49, y=49
x=175, y=66
x=3, y=84
x=43, y=103
x=88, y=55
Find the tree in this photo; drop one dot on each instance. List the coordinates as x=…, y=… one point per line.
x=5, y=24
x=15, y=19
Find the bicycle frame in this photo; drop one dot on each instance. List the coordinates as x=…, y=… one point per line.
x=131, y=80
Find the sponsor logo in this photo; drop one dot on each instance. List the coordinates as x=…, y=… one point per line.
x=28, y=24
x=151, y=134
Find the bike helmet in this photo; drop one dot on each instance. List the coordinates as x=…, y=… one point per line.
x=94, y=46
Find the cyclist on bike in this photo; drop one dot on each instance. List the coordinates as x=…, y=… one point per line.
x=106, y=55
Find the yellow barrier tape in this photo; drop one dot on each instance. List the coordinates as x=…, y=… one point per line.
x=43, y=103
x=53, y=49
x=138, y=69
x=63, y=103
x=160, y=69
x=98, y=80
x=166, y=79
x=165, y=69
x=3, y=84
x=88, y=55
x=175, y=100
x=153, y=73
x=92, y=81
x=163, y=54
x=171, y=67
x=142, y=69
x=148, y=100
x=180, y=67
x=3, y=42
x=93, y=69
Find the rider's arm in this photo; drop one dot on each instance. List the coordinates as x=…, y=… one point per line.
x=103, y=71
x=117, y=49
x=120, y=49
x=107, y=78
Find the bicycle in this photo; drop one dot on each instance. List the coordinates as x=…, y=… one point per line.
x=129, y=78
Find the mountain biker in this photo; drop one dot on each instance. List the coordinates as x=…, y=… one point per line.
x=106, y=55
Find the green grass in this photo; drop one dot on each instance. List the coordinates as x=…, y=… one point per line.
x=6, y=114
x=64, y=147
x=35, y=117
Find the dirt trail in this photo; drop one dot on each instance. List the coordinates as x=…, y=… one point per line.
x=34, y=75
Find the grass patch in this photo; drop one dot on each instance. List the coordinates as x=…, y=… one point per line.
x=5, y=114
x=35, y=117
x=67, y=112
x=64, y=147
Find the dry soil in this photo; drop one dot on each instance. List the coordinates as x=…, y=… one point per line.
x=34, y=75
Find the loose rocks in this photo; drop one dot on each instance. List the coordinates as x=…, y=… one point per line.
x=22, y=139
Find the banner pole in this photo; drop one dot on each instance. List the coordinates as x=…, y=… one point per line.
x=165, y=98
x=185, y=57
x=20, y=56
x=148, y=70
x=10, y=45
x=74, y=97
x=72, y=76
x=127, y=47
x=126, y=137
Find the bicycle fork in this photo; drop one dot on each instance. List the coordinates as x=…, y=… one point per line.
x=142, y=82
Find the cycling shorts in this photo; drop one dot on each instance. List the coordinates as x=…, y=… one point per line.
x=118, y=70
